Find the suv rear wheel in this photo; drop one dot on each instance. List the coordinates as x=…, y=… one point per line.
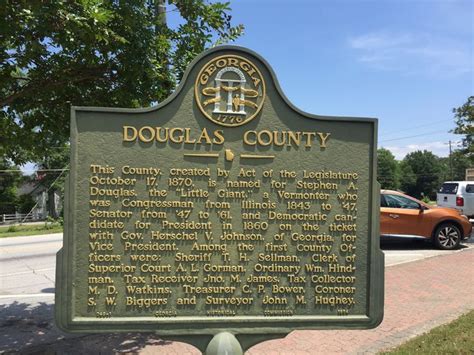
x=447, y=236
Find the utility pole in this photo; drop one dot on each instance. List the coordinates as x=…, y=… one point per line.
x=450, y=162
x=161, y=11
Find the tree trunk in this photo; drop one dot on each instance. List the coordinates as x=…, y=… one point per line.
x=52, y=210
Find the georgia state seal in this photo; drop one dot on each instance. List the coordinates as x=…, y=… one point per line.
x=230, y=90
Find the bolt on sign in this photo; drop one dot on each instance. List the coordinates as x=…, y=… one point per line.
x=224, y=208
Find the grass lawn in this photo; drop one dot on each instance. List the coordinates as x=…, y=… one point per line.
x=453, y=338
x=32, y=229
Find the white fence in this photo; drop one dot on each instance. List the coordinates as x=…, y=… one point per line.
x=19, y=218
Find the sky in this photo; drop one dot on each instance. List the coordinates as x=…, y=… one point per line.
x=406, y=62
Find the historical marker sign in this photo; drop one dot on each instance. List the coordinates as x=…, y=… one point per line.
x=224, y=208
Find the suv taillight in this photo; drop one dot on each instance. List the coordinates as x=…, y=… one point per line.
x=459, y=201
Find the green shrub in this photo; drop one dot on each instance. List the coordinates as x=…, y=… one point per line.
x=51, y=223
x=25, y=203
x=426, y=199
x=12, y=229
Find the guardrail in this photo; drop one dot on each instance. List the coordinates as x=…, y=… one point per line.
x=19, y=218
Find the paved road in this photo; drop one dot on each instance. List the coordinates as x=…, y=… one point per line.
x=27, y=301
x=400, y=251
x=414, y=293
x=27, y=264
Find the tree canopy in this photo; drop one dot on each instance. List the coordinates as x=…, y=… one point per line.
x=96, y=53
x=387, y=170
x=454, y=167
x=464, y=119
x=9, y=181
x=423, y=170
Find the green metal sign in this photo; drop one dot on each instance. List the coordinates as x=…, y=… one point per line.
x=224, y=208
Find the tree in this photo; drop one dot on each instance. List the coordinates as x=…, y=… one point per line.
x=459, y=163
x=52, y=176
x=423, y=169
x=464, y=119
x=9, y=180
x=25, y=203
x=407, y=177
x=55, y=54
x=387, y=170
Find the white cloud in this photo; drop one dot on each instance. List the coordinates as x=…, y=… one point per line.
x=410, y=53
x=379, y=41
x=440, y=149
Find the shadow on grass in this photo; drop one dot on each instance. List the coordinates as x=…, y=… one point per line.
x=29, y=329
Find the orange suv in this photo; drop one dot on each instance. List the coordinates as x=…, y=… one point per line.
x=405, y=216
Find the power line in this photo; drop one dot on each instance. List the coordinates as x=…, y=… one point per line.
x=40, y=170
x=174, y=10
x=416, y=135
x=413, y=127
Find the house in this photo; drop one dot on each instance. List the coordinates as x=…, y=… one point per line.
x=41, y=196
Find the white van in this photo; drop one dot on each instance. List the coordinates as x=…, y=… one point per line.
x=458, y=195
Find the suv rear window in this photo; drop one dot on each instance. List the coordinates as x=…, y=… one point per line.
x=448, y=188
x=470, y=189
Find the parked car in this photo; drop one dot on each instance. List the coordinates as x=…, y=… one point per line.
x=458, y=195
x=404, y=216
